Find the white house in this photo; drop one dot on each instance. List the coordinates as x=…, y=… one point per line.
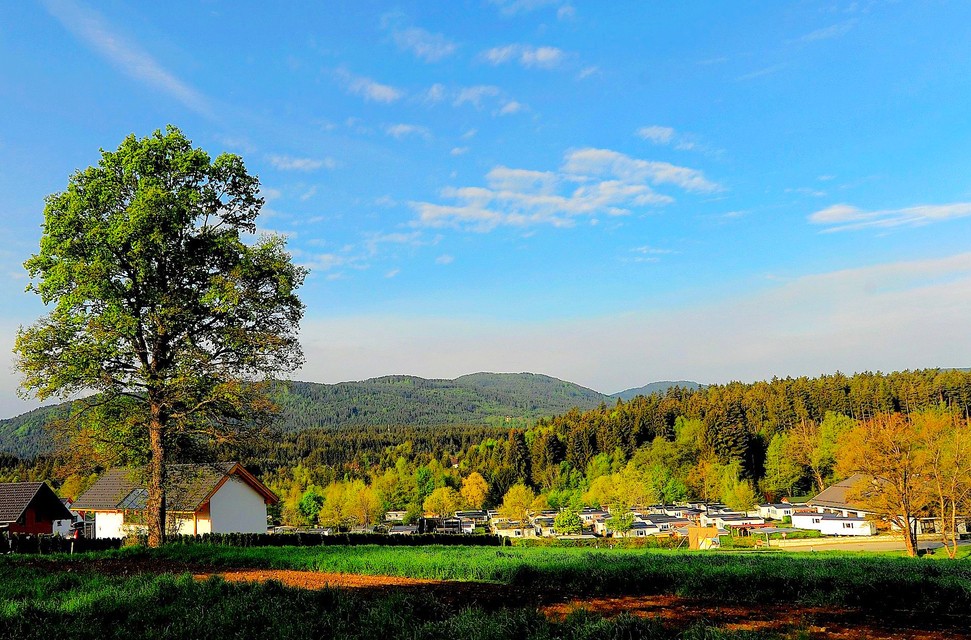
x=832, y=524
x=776, y=510
x=200, y=498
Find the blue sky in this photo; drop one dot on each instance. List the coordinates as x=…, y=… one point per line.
x=609, y=193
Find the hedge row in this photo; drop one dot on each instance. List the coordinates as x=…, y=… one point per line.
x=319, y=539
x=31, y=543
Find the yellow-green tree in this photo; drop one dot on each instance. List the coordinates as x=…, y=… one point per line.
x=474, y=490
x=442, y=502
x=890, y=452
x=516, y=504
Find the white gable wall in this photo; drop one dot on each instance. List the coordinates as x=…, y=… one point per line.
x=109, y=524
x=237, y=508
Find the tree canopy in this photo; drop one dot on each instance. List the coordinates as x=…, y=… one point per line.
x=158, y=303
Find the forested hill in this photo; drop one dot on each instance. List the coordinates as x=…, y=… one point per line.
x=480, y=398
x=513, y=399
x=656, y=387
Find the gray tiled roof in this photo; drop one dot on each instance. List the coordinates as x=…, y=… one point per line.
x=15, y=497
x=836, y=496
x=187, y=487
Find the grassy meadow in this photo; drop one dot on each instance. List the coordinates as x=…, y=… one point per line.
x=874, y=582
x=36, y=603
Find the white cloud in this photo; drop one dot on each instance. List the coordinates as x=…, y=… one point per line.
x=526, y=55
x=604, y=162
x=367, y=88
x=392, y=273
x=475, y=95
x=428, y=46
x=827, y=33
x=290, y=163
x=589, y=183
x=458, y=151
x=656, y=134
x=444, y=259
x=513, y=7
x=308, y=194
x=131, y=59
x=374, y=241
x=851, y=320
x=844, y=217
x=435, y=93
x=587, y=72
x=399, y=131
x=511, y=107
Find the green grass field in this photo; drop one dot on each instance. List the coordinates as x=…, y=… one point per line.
x=881, y=582
x=35, y=603
x=41, y=596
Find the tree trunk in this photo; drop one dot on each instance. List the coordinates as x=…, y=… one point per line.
x=156, y=478
x=910, y=534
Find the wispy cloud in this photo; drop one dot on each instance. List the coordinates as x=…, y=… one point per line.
x=656, y=134
x=844, y=217
x=430, y=47
x=444, y=259
x=290, y=163
x=761, y=73
x=526, y=55
x=589, y=182
x=588, y=72
x=89, y=27
x=828, y=33
x=475, y=95
x=399, y=131
x=367, y=88
x=661, y=135
x=514, y=7
x=649, y=254
x=511, y=107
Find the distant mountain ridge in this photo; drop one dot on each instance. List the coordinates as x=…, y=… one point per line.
x=497, y=399
x=656, y=387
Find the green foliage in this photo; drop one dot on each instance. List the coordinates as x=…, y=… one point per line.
x=568, y=522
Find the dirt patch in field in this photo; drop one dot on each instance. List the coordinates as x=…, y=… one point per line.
x=820, y=622
x=315, y=580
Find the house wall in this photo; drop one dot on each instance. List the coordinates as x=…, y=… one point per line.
x=237, y=508
x=29, y=523
x=109, y=524
x=839, y=528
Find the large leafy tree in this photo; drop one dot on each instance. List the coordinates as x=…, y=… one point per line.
x=157, y=303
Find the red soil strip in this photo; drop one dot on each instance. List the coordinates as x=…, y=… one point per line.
x=821, y=622
x=315, y=580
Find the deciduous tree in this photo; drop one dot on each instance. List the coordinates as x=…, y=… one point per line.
x=474, y=490
x=157, y=302
x=888, y=450
x=516, y=504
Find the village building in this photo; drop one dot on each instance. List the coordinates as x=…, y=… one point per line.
x=200, y=498
x=776, y=510
x=30, y=507
x=831, y=524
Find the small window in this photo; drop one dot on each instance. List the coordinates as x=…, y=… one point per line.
x=847, y=525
